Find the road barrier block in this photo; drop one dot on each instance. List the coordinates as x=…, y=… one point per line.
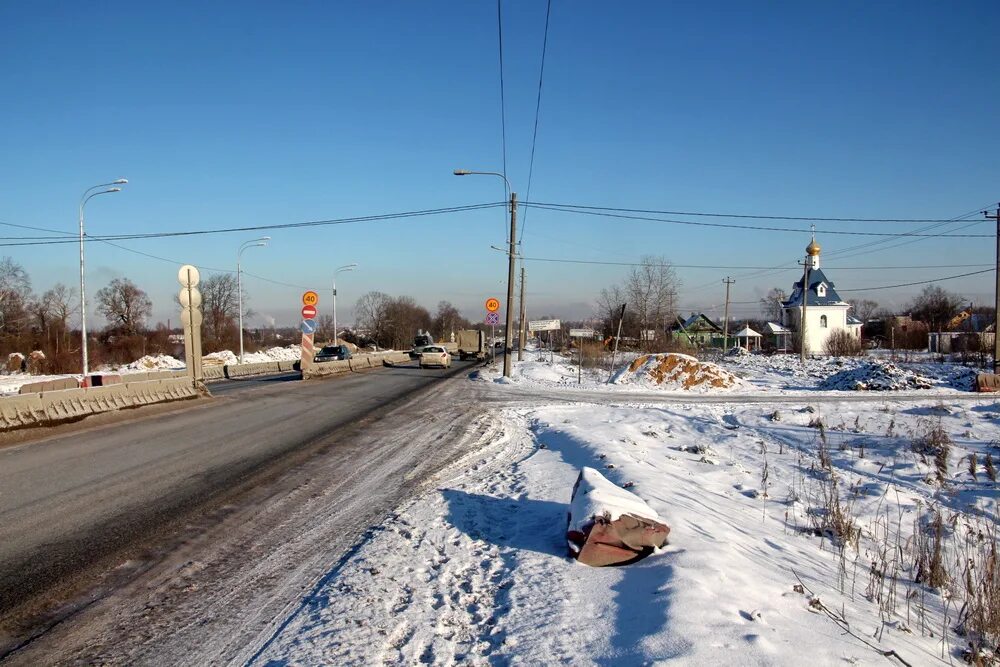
x=49, y=385
x=213, y=372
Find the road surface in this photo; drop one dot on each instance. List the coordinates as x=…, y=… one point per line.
x=75, y=507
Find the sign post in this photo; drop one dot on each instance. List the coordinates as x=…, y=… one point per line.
x=308, y=326
x=191, y=318
x=581, y=333
x=493, y=319
x=545, y=325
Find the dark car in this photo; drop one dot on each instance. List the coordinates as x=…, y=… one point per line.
x=333, y=353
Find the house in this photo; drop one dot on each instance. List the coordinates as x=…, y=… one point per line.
x=778, y=337
x=697, y=330
x=825, y=311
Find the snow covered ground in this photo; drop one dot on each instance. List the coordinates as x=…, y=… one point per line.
x=797, y=534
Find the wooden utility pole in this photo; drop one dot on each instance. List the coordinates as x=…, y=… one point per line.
x=805, y=302
x=996, y=303
x=725, y=324
x=508, y=333
x=522, y=330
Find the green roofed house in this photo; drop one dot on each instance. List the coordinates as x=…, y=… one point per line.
x=698, y=331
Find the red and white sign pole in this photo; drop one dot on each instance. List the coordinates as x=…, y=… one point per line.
x=309, y=301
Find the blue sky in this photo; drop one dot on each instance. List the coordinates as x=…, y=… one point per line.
x=226, y=114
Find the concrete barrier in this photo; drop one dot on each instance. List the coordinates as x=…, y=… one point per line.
x=326, y=369
x=53, y=407
x=49, y=385
x=213, y=372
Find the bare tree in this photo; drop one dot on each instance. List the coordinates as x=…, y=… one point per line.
x=324, y=328
x=447, y=320
x=124, y=305
x=220, y=308
x=372, y=315
x=651, y=291
x=15, y=291
x=935, y=306
x=771, y=304
x=405, y=319
x=864, y=309
x=61, y=302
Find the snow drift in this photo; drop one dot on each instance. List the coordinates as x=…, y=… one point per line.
x=674, y=371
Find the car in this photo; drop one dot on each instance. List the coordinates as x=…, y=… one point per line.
x=435, y=355
x=333, y=353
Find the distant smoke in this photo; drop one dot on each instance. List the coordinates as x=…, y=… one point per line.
x=270, y=320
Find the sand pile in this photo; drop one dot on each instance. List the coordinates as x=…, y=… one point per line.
x=674, y=371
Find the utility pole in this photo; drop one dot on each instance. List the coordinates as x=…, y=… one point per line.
x=805, y=302
x=522, y=329
x=725, y=324
x=996, y=320
x=511, y=258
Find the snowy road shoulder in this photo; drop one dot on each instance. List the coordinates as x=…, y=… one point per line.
x=476, y=571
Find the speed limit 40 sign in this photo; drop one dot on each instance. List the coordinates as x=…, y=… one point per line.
x=492, y=304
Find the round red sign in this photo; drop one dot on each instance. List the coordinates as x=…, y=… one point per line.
x=308, y=312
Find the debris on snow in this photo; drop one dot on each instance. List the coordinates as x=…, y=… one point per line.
x=875, y=376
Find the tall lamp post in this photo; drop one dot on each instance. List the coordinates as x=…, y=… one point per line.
x=510, y=264
x=346, y=267
x=253, y=243
x=108, y=188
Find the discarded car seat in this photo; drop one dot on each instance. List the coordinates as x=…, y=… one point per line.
x=609, y=525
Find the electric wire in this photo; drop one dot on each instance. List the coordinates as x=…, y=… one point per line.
x=538, y=106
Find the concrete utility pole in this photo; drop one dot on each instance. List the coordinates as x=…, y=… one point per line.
x=522, y=329
x=725, y=324
x=511, y=259
x=996, y=320
x=805, y=302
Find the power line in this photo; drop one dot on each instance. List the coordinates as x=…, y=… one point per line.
x=292, y=225
x=622, y=216
x=503, y=115
x=720, y=266
x=921, y=282
x=741, y=215
x=538, y=106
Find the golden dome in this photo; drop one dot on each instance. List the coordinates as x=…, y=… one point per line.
x=813, y=248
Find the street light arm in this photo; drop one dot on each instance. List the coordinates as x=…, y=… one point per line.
x=467, y=172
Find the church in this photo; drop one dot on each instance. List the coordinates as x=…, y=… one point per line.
x=826, y=312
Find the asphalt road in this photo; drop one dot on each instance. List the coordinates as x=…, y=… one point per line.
x=69, y=501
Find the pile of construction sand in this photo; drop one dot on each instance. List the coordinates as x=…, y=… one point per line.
x=676, y=372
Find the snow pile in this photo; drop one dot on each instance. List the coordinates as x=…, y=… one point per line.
x=227, y=357
x=875, y=376
x=222, y=358
x=673, y=371
x=152, y=362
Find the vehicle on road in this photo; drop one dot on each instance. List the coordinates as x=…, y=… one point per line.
x=333, y=353
x=434, y=355
x=471, y=344
x=420, y=341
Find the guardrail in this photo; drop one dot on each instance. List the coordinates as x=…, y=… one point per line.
x=51, y=407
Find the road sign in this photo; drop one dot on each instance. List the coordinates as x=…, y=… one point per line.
x=492, y=319
x=188, y=276
x=308, y=312
x=310, y=298
x=189, y=297
x=308, y=326
x=544, y=325
x=191, y=318
x=581, y=333
x=492, y=304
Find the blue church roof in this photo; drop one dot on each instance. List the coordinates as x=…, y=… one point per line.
x=816, y=278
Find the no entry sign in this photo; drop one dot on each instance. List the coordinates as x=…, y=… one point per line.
x=308, y=312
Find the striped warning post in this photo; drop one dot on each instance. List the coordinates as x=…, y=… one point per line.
x=307, y=349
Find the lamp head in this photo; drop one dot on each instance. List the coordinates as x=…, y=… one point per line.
x=462, y=172
x=113, y=190
x=120, y=181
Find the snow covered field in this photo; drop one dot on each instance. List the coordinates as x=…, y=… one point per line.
x=798, y=533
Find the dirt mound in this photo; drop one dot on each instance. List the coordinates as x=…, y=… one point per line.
x=875, y=376
x=674, y=371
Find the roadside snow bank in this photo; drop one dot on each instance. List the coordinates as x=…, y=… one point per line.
x=875, y=376
x=674, y=371
x=151, y=362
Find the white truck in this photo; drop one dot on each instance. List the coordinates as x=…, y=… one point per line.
x=471, y=344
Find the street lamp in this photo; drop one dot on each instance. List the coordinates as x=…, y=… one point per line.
x=510, y=262
x=87, y=195
x=253, y=243
x=346, y=267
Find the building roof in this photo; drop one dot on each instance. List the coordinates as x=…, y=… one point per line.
x=775, y=328
x=747, y=332
x=699, y=322
x=853, y=321
x=816, y=278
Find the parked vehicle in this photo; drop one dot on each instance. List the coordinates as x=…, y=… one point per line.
x=435, y=355
x=471, y=344
x=333, y=353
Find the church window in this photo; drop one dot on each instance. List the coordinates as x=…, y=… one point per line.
x=821, y=289
x=822, y=321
